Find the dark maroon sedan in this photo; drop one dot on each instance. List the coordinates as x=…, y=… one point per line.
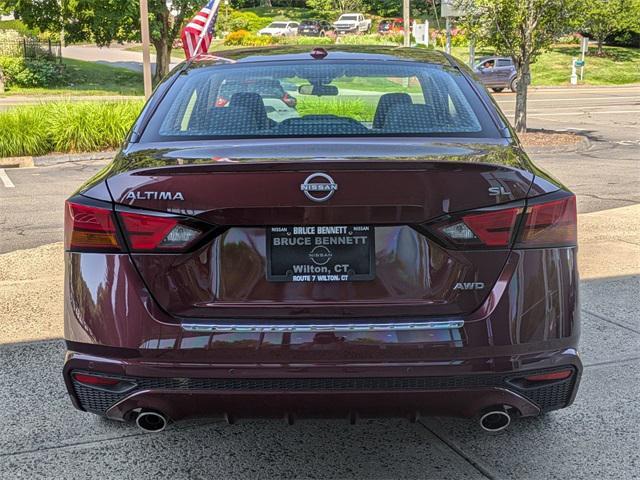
x=384, y=247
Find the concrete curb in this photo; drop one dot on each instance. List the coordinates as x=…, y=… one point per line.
x=16, y=162
x=54, y=159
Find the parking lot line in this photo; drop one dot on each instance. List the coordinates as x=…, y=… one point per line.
x=6, y=181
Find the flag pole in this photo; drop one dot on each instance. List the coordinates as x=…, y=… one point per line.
x=146, y=56
x=204, y=31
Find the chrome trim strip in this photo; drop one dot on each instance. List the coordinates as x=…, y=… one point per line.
x=353, y=327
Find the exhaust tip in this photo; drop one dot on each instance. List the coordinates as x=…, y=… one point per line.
x=151, y=422
x=495, y=420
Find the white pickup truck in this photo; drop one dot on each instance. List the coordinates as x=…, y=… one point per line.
x=352, y=23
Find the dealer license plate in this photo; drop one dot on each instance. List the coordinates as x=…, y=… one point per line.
x=320, y=253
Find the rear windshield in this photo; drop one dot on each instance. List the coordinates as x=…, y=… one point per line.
x=309, y=22
x=319, y=98
x=277, y=25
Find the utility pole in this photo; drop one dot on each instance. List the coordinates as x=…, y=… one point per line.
x=406, y=14
x=447, y=47
x=146, y=55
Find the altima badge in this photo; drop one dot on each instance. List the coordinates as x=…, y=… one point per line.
x=154, y=196
x=319, y=187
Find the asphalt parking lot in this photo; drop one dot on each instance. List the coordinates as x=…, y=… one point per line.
x=598, y=437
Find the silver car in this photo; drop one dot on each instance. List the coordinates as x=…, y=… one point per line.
x=497, y=73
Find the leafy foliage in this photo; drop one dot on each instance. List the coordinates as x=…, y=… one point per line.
x=32, y=73
x=243, y=38
x=602, y=18
x=65, y=127
x=521, y=29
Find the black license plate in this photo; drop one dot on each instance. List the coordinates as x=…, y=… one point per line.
x=320, y=253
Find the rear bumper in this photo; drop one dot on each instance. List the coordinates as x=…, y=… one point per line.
x=458, y=388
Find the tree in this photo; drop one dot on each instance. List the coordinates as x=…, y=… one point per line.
x=107, y=21
x=471, y=22
x=601, y=18
x=522, y=29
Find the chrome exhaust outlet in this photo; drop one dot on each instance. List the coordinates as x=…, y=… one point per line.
x=495, y=419
x=151, y=422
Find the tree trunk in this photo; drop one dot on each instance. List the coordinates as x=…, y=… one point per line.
x=163, y=59
x=600, y=42
x=163, y=44
x=523, y=79
x=265, y=3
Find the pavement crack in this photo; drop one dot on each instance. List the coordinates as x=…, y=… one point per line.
x=458, y=451
x=598, y=197
x=605, y=319
x=103, y=440
x=612, y=362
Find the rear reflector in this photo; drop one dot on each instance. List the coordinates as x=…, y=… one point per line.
x=153, y=233
x=89, y=228
x=545, y=377
x=550, y=224
x=95, y=380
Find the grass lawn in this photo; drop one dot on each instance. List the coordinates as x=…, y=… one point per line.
x=88, y=78
x=618, y=67
x=281, y=13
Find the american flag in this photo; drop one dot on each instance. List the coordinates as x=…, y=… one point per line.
x=201, y=25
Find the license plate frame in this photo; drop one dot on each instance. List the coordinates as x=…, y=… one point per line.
x=320, y=253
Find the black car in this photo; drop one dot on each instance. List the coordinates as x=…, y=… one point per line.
x=315, y=28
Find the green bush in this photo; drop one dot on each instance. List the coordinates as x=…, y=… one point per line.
x=243, y=38
x=247, y=21
x=32, y=73
x=23, y=133
x=18, y=27
x=66, y=127
x=369, y=39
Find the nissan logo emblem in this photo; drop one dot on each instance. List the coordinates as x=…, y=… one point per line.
x=319, y=187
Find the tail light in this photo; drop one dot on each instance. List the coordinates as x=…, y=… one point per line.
x=550, y=224
x=90, y=228
x=154, y=233
x=545, y=222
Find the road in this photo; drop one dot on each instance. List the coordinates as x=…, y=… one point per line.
x=43, y=437
x=114, y=55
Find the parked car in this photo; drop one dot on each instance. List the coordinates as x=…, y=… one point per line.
x=413, y=261
x=352, y=23
x=316, y=28
x=280, y=29
x=497, y=73
x=390, y=26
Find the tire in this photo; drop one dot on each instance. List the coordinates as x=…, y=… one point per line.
x=513, y=85
x=497, y=90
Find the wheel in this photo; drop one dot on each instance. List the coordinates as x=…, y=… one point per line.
x=497, y=90
x=513, y=86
